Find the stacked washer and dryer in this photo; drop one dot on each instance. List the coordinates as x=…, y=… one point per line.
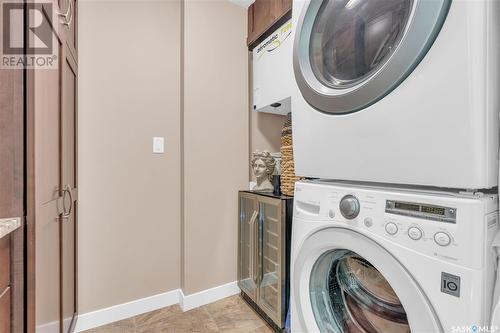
x=396, y=113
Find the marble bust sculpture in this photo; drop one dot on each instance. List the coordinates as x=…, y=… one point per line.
x=263, y=165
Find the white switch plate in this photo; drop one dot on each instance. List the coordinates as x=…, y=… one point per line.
x=158, y=145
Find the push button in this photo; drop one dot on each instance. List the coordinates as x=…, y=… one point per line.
x=331, y=213
x=442, y=238
x=368, y=222
x=391, y=228
x=414, y=233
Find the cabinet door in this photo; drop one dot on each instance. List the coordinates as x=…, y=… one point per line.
x=247, y=249
x=271, y=257
x=70, y=190
x=12, y=192
x=44, y=87
x=263, y=14
x=4, y=262
x=52, y=194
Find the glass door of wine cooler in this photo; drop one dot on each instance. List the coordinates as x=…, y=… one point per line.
x=247, y=249
x=271, y=257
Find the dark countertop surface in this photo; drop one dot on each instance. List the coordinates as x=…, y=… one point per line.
x=269, y=194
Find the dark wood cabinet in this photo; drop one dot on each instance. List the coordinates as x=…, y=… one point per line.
x=5, y=312
x=5, y=299
x=4, y=263
x=38, y=187
x=263, y=15
x=52, y=180
x=11, y=196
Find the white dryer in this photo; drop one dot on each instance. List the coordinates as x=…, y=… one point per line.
x=378, y=260
x=397, y=91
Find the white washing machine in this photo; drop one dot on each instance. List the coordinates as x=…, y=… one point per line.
x=379, y=260
x=397, y=91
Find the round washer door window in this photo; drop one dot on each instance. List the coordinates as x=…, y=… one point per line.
x=348, y=294
x=348, y=54
x=344, y=281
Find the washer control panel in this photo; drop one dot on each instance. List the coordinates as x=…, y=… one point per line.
x=452, y=227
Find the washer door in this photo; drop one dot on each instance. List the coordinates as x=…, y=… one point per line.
x=348, y=54
x=345, y=282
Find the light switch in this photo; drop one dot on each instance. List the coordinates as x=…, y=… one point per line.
x=158, y=145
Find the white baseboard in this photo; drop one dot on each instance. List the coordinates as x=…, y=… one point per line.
x=118, y=312
x=52, y=326
x=207, y=296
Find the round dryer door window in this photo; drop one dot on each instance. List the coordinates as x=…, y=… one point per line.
x=348, y=294
x=348, y=54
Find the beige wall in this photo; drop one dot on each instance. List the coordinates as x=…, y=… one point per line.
x=265, y=132
x=216, y=139
x=129, y=91
x=134, y=239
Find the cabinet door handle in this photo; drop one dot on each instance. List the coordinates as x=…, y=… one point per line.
x=252, y=235
x=261, y=249
x=71, y=9
x=69, y=14
x=65, y=15
x=255, y=262
x=67, y=191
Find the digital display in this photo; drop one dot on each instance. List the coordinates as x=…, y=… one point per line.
x=420, y=208
x=433, y=210
x=424, y=211
x=407, y=206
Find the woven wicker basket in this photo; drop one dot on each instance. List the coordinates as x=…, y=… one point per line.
x=288, y=177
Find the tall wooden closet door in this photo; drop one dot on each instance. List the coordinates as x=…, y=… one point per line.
x=52, y=117
x=69, y=167
x=70, y=191
x=46, y=104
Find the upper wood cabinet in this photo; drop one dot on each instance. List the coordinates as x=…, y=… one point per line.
x=264, y=14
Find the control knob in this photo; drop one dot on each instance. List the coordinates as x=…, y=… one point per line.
x=349, y=207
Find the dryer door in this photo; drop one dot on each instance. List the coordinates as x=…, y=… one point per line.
x=345, y=282
x=350, y=53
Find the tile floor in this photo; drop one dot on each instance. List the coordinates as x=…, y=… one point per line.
x=230, y=315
